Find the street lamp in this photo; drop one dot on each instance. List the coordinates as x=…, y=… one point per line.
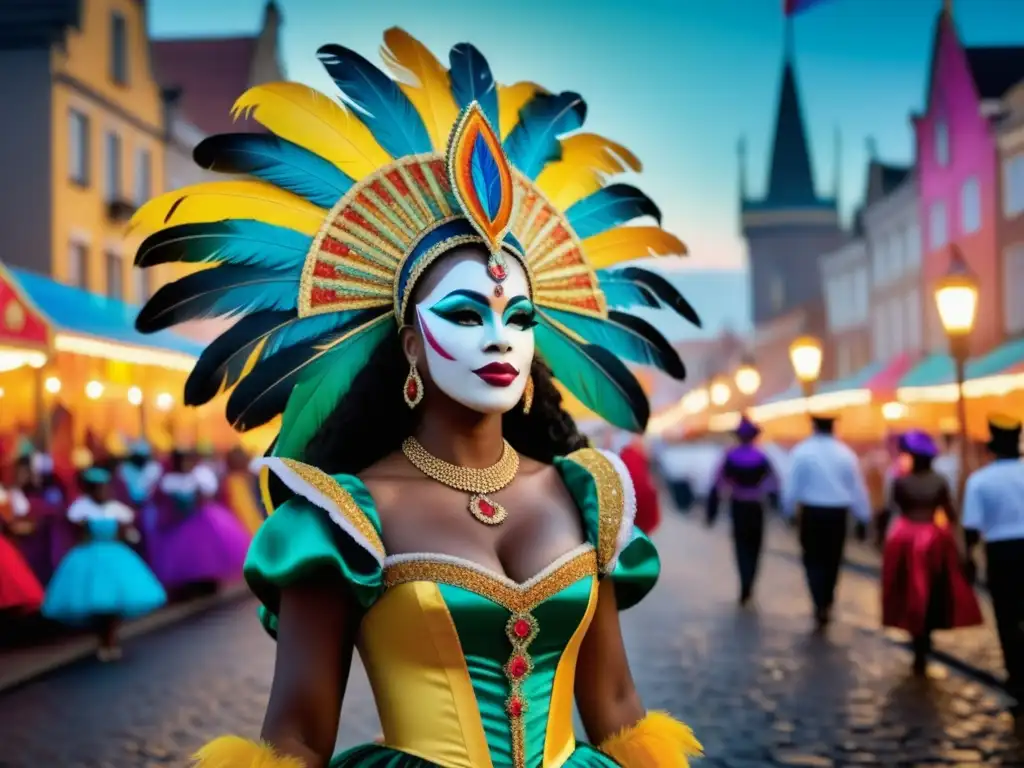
x=748, y=380
x=805, y=355
x=956, y=297
x=720, y=392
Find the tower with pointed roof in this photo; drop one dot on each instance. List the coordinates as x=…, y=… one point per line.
x=791, y=224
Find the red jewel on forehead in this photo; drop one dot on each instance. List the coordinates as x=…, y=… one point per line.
x=499, y=291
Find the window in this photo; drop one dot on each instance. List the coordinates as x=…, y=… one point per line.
x=113, y=166
x=913, y=248
x=896, y=257
x=942, y=143
x=970, y=206
x=1013, y=279
x=143, y=176
x=1013, y=186
x=878, y=265
x=896, y=329
x=115, y=275
x=118, y=49
x=938, y=230
x=78, y=264
x=776, y=292
x=78, y=147
x=860, y=292
x=142, y=285
x=913, y=319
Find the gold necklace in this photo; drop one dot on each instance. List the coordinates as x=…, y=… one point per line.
x=478, y=482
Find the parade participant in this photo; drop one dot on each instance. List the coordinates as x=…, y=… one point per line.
x=102, y=581
x=20, y=590
x=426, y=481
x=648, y=512
x=823, y=486
x=923, y=586
x=199, y=543
x=747, y=480
x=994, y=511
x=240, y=491
x=138, y=475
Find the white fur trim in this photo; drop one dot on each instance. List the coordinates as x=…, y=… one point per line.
x=84, y=508
x=625, y=534
x=301, y=487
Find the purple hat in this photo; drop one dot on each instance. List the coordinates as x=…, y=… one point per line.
x=747, y=430
x=918, y=443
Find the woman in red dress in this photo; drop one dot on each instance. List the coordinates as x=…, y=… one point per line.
x=923, y=586
x=20, y=590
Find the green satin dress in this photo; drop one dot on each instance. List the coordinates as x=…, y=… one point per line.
x=468, y=668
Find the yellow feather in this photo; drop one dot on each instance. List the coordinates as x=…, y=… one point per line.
x=424, y=80
x=236, y=752
x=587, y=160
x=624, y=243
x=219, y=200
x=657, y=741
x=511, y=99
x=306, y=117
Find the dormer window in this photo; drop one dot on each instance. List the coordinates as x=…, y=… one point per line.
x=942, y=143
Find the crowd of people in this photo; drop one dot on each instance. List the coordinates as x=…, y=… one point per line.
x=929, y=540
x=122, y=537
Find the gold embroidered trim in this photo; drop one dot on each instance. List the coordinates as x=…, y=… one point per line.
x=342, y=500
x=512, y=598
x=611, y=502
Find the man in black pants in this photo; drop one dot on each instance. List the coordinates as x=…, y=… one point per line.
x=994, y=511
x=746, y=478
x=823, y=487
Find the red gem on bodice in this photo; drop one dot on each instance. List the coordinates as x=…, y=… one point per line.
x=514, y=706
x=521, y=628
x=486, y=508
x=518, y=667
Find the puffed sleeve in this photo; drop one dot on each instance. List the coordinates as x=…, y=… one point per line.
x=603, y=489
x=330, y=525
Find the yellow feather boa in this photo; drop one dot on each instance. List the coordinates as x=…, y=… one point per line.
x=236, y=752
x=657, y=741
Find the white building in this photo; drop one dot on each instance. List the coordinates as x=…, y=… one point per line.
x=845, y=275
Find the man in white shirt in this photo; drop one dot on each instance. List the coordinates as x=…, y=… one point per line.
x=994, y=510
x=823, y=486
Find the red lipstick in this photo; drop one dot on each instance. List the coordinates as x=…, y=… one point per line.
x=498, y=374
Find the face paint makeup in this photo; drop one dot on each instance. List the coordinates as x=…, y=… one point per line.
x=479, y=343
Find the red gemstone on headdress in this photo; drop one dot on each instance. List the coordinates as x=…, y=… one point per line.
x=514, y=707
x=517, y=667
x=486, y=508
x=497, y=271
x=521, y=628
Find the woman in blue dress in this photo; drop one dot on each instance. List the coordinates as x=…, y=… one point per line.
x=101, y=581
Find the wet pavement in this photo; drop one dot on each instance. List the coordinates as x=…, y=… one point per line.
x=757, y=687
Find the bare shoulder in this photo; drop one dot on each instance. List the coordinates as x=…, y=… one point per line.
x=388, y=480
x=538, y=474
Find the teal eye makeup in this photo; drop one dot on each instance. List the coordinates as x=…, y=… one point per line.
x=462, y=308
x=520, y=313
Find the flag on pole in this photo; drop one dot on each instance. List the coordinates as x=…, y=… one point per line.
x=793, y=7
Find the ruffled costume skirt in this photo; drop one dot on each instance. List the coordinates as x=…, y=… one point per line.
x=378, y=756
x=208, y=544
x=923, y=586
x=20, y=590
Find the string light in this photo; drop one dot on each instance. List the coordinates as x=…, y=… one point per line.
x=893, y=411
x=52, y=385
x=135, y=396
x=94, y=390
x=164, y=401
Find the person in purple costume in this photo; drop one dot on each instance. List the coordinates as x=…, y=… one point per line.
x=748, y=481
x=199, y=541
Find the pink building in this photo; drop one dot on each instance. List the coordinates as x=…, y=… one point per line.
x=958, y=167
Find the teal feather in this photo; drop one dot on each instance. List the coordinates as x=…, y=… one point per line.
x=533, y=143
x=595, y=376
x=221, y=291
x=624, y=294
x=625, y=336
x=320, y=387
x=239, y=242
x=277, y=161
x=609, y=207
x=486, y=177
x=471, y=80
x=382, y=105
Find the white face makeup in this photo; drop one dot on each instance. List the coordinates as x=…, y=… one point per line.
x=478, y=335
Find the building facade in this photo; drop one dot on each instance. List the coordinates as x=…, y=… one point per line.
x=83, y=138
x=845, y=277
x=892, y=231
x=958, y=173
x=1011, y=210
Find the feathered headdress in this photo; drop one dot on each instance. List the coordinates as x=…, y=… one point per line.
x=320, y=249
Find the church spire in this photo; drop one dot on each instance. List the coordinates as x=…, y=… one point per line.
x=791, y=180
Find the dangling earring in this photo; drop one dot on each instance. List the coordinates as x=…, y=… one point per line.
x=528, y=394
x=413, y=389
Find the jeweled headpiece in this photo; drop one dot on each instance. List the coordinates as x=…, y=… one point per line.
x=320, y=250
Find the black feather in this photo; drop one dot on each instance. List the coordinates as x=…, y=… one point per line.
x=669, y=359
x=663, y=289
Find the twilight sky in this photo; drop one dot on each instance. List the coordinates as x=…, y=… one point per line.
x=677, y=81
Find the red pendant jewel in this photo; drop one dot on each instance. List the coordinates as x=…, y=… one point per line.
x=486, y=511
x=411, y=390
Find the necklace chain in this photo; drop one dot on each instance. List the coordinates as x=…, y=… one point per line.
x=479, y=481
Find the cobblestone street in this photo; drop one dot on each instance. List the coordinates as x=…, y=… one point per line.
x=757, y=687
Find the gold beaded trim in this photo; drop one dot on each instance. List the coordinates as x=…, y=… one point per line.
x=480, y=481
x=611, y=502
x=513, y=598
x=516, y=704
x=342, y=500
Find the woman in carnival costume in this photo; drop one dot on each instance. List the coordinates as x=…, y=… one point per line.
x=20, y=588
x=199, y=541
x=135, y=482
x=102, y=581
x=923, y=585
x=397, y=276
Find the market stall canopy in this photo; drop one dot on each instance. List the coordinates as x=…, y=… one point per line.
x=858, y=380
x=74, y=320
x=935, y=370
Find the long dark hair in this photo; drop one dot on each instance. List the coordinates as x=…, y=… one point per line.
x=372, y=419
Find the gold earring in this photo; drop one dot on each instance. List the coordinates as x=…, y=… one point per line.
x=413, y=389
x=528, y=394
